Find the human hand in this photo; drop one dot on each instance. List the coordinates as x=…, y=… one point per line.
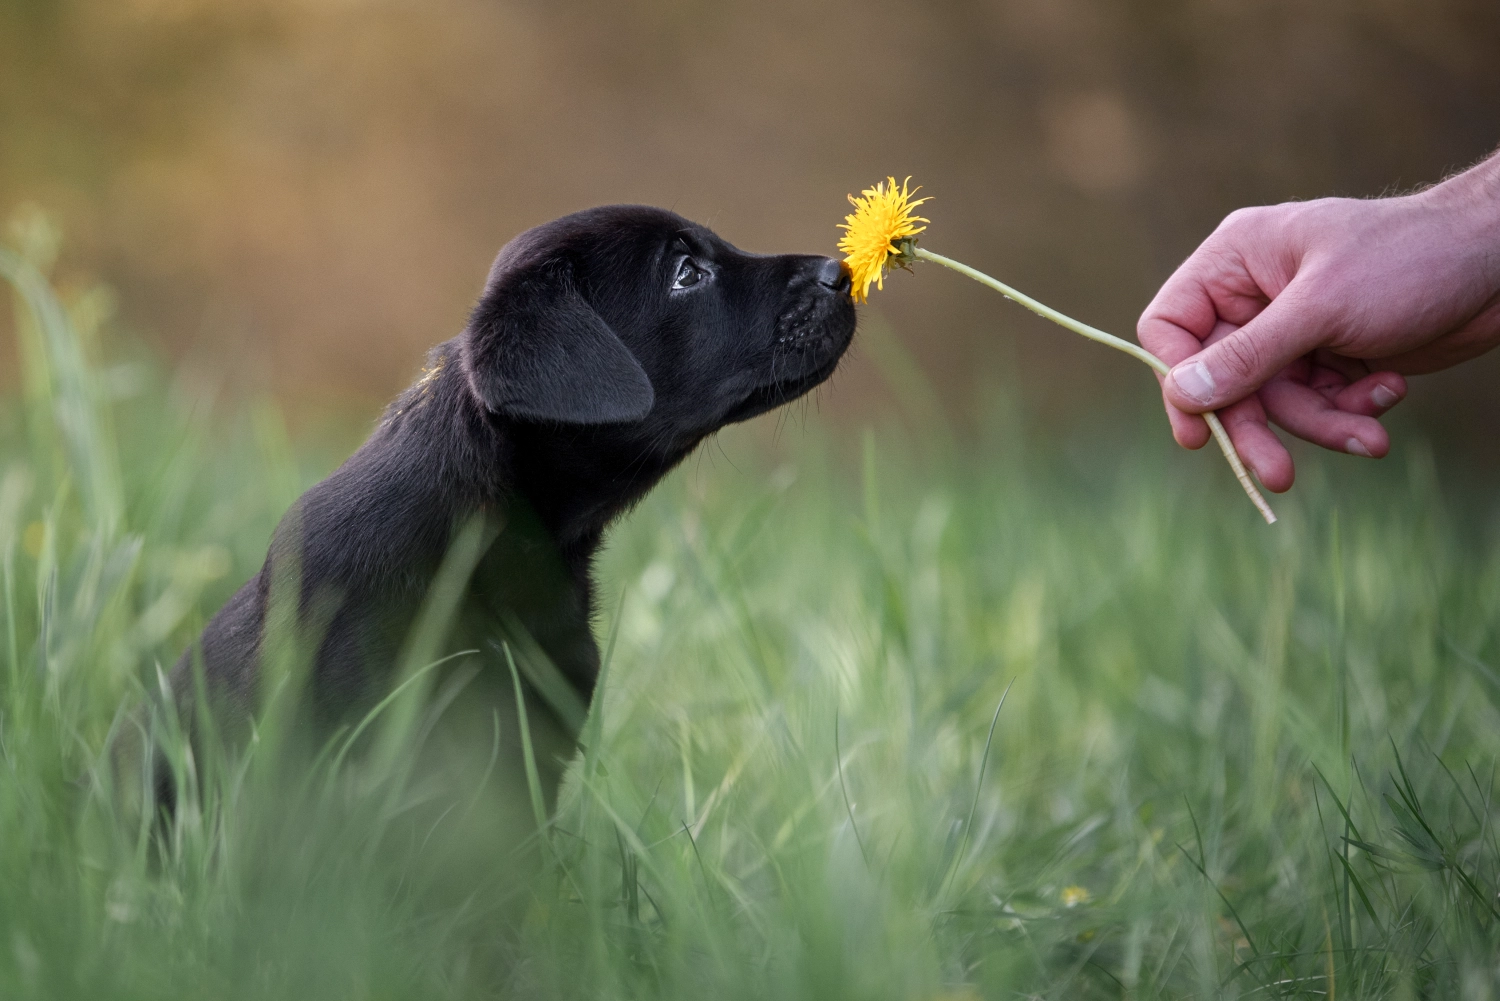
x=1307, y=314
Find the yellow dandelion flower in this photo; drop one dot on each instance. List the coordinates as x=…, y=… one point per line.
x=882, y=221
x=1072, y=896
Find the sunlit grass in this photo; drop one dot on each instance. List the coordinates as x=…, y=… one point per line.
x=1232, y=760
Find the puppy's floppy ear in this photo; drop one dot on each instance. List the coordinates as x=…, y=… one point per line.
x=535, y=349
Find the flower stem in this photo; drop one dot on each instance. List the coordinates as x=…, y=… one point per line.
x=1134, y=350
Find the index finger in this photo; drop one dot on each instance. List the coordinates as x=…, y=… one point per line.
x=1190, y=430
x=1174, y=326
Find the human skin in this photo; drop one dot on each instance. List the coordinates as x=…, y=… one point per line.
x=1309, y=315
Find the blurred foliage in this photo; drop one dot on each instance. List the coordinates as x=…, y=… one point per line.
x=934, y=723
x=307, y=193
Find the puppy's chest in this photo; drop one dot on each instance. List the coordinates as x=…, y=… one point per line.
x=524, y=580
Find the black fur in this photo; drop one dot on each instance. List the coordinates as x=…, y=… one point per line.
x=583, y=376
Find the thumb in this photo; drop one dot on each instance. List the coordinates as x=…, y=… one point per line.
x=1230, y=369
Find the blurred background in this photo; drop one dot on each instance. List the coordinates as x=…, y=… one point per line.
x=300, y=196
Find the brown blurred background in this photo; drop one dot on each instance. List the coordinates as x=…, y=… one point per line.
x=304, y=194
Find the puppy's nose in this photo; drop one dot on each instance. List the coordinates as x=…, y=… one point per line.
x=831, y=274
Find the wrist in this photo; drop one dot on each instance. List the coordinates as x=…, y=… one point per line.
x=1474, y=194
x=1470, y=203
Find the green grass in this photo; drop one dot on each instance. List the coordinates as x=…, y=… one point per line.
x=1232, y=761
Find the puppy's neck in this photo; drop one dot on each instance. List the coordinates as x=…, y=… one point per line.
x=579, y=479
x=576, y=479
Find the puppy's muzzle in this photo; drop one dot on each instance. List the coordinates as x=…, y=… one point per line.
x=819, y=291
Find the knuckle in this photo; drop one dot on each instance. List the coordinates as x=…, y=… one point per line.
x=1240, y=418
x=1243, y=219
x=1240, y=358
x=1237, y=218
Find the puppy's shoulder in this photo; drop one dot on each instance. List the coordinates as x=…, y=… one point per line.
x=433, y=386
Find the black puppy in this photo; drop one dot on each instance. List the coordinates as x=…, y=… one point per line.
x=606, y=346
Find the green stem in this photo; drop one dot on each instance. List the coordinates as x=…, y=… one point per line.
x=1119, y=344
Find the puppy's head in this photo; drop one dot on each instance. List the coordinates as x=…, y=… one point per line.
x=635, y=317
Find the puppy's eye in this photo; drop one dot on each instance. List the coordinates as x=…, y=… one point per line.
x=688, y=274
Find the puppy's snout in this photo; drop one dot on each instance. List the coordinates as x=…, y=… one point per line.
x=831, y=274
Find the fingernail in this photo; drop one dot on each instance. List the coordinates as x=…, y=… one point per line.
x=1194, y=381
x=1384, y=397
x=1356, y=447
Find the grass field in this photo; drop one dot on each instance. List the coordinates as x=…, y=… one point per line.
x=1232, y=761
